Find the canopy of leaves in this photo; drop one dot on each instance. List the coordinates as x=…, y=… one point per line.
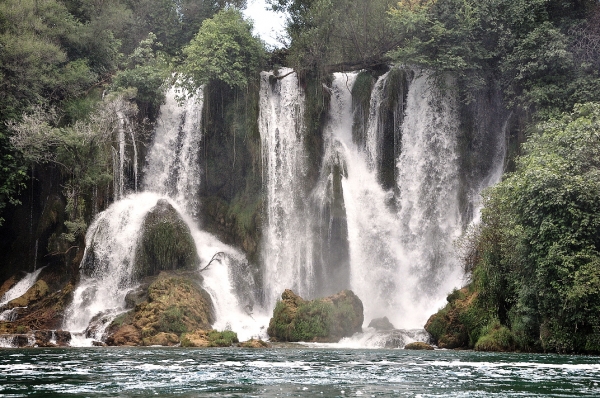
x=224, y=49
x=539, y=245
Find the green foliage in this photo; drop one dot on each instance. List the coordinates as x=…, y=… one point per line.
x=222, y=339
x=224, y=49
x=171, y=321
x=539, y=252
x=312, y=320
x=495, y=337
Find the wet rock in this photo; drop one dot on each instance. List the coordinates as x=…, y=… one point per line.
x=418, y=345
x=52, y=338
x=7, y=285
x=209, y=338
x=175, y=304
x=253, y=343
x=127, y=335
x=381, y=324
x=162, y=339
x=165, y=243
x=326, y=319
x=35, y=293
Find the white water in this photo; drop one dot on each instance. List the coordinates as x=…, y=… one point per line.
x=173, y=167
x=287, y=254
x=402, y=259
x=21, y=287
x=173, y=174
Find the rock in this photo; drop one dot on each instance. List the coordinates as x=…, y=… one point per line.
x=163, y=339
x=175, y=304
x=381, y=324
x=446, y=326
x=7, y=285
x=418, y=345
x=165, y=242
x=209, y=338
x=326, y=319
x=52, y=338
x=127, y=335
x=254, y=343
x=36, y=292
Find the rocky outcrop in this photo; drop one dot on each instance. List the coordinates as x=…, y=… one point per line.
x=253, y=343
x=165, y=243
x=174, y=304
x=209, y=338
x=450, y=326
x=35, y=293
x=418, y=345
x=326, y=319
x=381, y=324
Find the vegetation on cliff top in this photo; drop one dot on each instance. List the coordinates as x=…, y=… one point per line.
x=535, y=258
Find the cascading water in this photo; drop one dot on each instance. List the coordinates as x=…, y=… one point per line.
x=172, y=174
x=401, y=260
x=288, y=231
x=173, y=167
x=19, y=289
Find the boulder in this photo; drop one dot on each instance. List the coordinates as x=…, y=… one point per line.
x=7, y=285
x=418, y=345
x=165, y=243
x=447, y=326
x=175, y=304
x=209, y=338
x=127, y=335
x=36, y=292
x=326, y=319
x=381, y=324
x=163, y=339
x=52, y=338
x=253, y=343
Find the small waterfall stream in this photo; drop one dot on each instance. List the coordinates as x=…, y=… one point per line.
x=173, y=174
x=288, y=230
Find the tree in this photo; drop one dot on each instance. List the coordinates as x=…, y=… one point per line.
x=540, y=240
x=224, y=49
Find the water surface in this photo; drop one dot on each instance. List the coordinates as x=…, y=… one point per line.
x=136, y=372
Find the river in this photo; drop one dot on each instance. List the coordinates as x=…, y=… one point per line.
x=293, y=372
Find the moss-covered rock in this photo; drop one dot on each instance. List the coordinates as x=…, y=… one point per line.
x=175, y=304
x=418, y=345
x=209, y=338
x=165, y=242
x=459, y=323
x=326, y=320
x=381, y=324
x=495, y=337
x=35, y=293
x=253, y=343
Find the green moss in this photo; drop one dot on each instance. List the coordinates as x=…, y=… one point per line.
x=166, y=243
x=172, y=321
x=222, y=339
x=495, y=337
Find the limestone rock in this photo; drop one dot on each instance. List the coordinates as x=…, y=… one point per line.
x=326, y=319
x=209, y=338
x=418, y=345
x=381, y=324
x=36, y=292
x=52, y=338
x=165, y=242
x=127, y=335
x=163, y=339
x=175, y=304
x=253, y=343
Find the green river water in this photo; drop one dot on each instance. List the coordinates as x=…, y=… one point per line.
x=292, y=372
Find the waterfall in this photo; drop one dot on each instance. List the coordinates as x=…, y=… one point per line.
x=287, y=255
x=172, y=173
x=19, y=289
x=173, y=167
x=374, y=137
